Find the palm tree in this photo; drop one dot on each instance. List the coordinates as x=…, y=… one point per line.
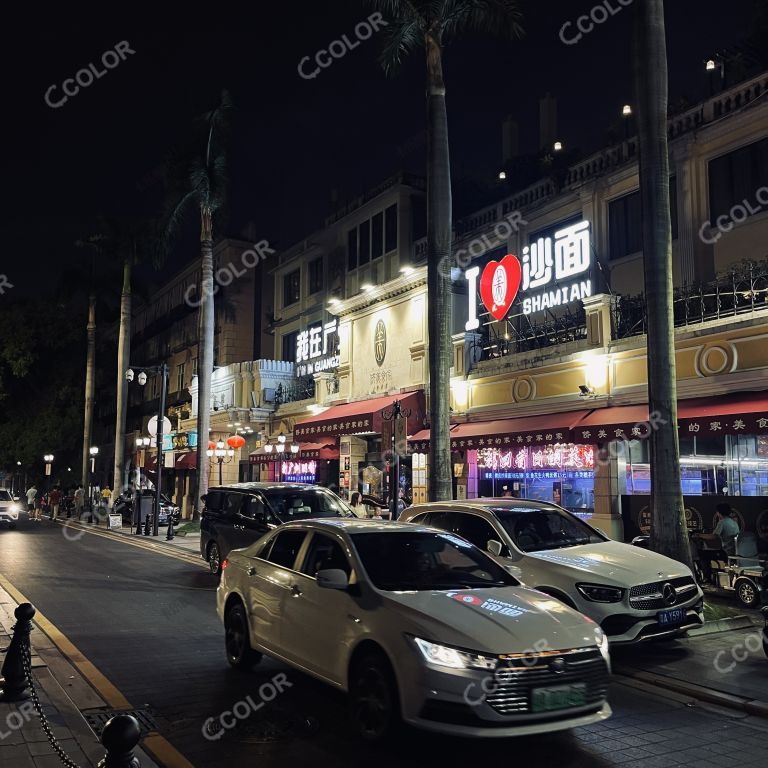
x=203, y=186
x=432, y=24
x=669, y=532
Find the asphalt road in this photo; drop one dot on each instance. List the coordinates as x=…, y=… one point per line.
x=148, y=622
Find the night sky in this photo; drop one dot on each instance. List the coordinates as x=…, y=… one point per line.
x=295, y=139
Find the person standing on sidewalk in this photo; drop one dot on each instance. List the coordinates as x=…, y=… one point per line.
x=55, y=501
x=31, y=494
x=79, y=502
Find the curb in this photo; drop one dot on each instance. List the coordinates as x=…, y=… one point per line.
x=700, y=692
x=728, y=624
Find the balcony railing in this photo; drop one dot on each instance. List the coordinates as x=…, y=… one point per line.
x=302, y=389
x=740, y=292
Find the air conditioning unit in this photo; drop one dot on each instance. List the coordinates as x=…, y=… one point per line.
x=269, y=395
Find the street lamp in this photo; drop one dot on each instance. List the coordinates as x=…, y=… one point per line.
x=222, y=455
x=162, y=370
x=94, y=452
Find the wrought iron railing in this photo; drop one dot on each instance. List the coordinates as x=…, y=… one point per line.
x=520, y=333
x=741, y=291
x=302, y=389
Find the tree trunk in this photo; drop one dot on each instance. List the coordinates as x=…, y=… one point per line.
x=90, y=376
x=123, y=362
x=205, y=356
x=439, y=236
x=669, y=532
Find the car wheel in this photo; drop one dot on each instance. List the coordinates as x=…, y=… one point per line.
x=373, y=697
x=214, y=559
x=239, y=652
x=747, y=593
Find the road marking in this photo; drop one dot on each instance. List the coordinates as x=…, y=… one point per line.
x=147, y=546
x=156, y=744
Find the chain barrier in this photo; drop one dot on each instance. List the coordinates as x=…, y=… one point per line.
x=26, y=660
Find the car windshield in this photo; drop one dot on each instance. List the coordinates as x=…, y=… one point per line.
x=420, y=560
x=535, y=530
x=5, y=495
x=303, y=503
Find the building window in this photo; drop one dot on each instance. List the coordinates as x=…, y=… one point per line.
x=352, y=249
x=180, y=377
x=377, y=235
x=291, y=288
x=289, y=347
x=316, y=275
x=736, y=177
x=390, y=229
x=625, y=227
x=364, y=237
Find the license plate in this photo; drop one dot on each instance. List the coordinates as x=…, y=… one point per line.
x=558, y=697
x=671, y=618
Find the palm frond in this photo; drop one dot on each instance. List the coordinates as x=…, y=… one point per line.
x=501, y=18
x=401, y=37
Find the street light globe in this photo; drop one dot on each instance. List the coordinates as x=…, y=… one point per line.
x=280, y=447
x=18, y=463
x=220, y=445
x=268, y=448
x=710, y=65
x=209, y=453
x=142, y=378
x=502, y=175
x=558, y=146
x=281, y=438
x=93, y=450
x=294, y=448
x=626, y=110
x=129, y=374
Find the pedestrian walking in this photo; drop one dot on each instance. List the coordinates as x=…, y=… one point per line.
x=31, y=495
x=106, y=497
x=79, y=498
x=55, y=502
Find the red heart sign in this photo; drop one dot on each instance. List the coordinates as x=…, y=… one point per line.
x=499, y=284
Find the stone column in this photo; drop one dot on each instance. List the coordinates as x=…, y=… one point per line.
x=599, y=325
x=607, y=515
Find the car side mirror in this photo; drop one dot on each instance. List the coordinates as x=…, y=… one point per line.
x=494, y=547
x=332, y=578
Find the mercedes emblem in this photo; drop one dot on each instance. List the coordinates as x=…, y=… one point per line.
x=669, y=593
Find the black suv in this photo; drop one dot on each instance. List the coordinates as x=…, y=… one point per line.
x=234, y=516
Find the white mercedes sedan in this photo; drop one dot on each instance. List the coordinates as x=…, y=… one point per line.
x=417, y=625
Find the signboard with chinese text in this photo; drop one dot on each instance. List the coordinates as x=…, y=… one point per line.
x=316, y=349
x=299, y=471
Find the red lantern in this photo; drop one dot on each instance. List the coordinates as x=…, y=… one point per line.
x=211, y=445
x=236, y=441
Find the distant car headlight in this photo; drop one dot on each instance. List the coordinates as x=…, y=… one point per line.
x=446, y=656
x=602, y=643
x=598, y=593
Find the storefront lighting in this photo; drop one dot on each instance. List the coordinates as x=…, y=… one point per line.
x=366, y=287
x=406, y=270
x=334, y=302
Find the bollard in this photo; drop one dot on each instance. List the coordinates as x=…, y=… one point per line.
x=120, y=736
x=14, y=686
x=146, y=525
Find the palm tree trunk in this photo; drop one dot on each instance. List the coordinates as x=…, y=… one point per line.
x=123, y=362
x=669, y=532
x=205, y=356
x=90, y=385
x=439, y=235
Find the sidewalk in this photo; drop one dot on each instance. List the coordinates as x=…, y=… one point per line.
x=64, y=694
x=728, y=668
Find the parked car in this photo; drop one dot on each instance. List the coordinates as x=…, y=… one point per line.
x=235, y=516
x=9, y=508
x=633, y=594
x=413, y=623
x=124, y=506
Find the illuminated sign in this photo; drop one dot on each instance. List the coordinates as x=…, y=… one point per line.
x=314, y=352
x=563, y=456
x=299, y=471
x=549, y=276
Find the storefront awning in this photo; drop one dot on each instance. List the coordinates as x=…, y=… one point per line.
x=186, y=460
x=359, y=417
x=737, y=413
x=524, y=430
x=327, y=451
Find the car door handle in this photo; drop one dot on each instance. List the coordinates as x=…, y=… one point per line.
x=251, y=571
x=296, y=590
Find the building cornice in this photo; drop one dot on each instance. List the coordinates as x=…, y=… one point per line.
x=397, y=287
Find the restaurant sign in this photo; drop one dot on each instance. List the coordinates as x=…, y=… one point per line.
x=553, y=272
x=316, y=349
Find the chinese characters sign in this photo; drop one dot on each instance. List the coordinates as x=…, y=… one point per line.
x=554, y=272
x=299, y=471
x=316, y=349
x=565, y=456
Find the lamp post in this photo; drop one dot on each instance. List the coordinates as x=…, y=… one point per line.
x=397, y=416
x=94, y=452
x=48, y=459
x=222, y=454
x=162, y=370
x=280, y=447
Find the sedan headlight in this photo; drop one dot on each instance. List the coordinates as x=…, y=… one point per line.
x=602, y=643
x=598, y=593
x=455, y=658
